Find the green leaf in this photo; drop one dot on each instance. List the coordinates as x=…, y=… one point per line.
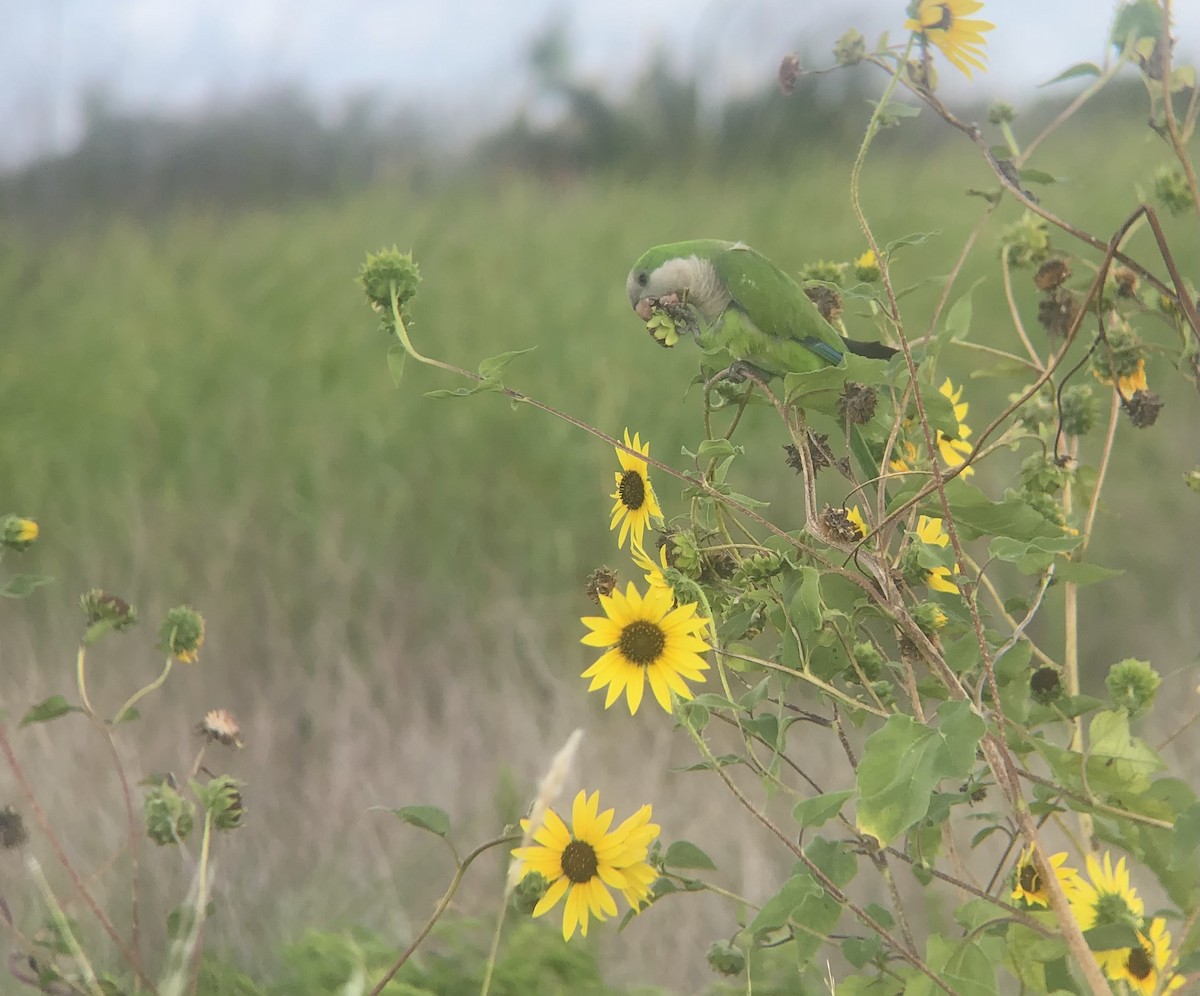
x=958, y=318
x=1037, y=176
x=966, y=967
x=23, y=585
x=426, y=818
x=396, y=355
x=820, y=808
x=1128, y=759
x=806, y=602
x=1082, y=574
x=977, y=515
x=1111, y=936
x=685, y=854
x=903, y=762
x=915, y=239
x=48, y=709
x=492, y=368
x=715, y=449
x=1074, y=72
x=777, y=911
x=1031, y=556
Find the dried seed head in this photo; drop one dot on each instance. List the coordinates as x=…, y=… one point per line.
x=827, y=300
x=220, y=726
x=1052, y=274
x=601, y=581
x=789, y=74
x=857, y=403
x=837, y=523
x=1143, y=408
x=1057, y=312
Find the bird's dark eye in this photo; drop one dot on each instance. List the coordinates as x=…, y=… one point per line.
x=642, y=278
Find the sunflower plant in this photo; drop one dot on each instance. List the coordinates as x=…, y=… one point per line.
x=893, y=657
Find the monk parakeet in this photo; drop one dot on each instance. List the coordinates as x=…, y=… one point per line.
x=747, y=308
x=746, y=305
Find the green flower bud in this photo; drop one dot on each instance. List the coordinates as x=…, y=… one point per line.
x=17, y=532
x=1001, y=113
x=221, y=798
x=384, y=272
x=726, y=959
x=1027, y=240
x=1121, y=356
x=169, y=816
x=182, y=634
x=850, y=49
x=825, y=271
x=930, y=617
x=866, y=268
x=1080, y=410
x=1192, y=479
x=869, y=659
x=529, y=893
x=1172, y=191
x=1132, y=685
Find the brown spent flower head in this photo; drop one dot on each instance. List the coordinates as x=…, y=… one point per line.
x=101, y=607
x=1143, y=408
x=601, y=581
x=1126, y=281
x=1057, y=312
x=1045, y=685
x=1052, y=274
x=789, y=74
x=837, y=522
x=12, y=829
x=820, y=455
x=220, y=726
x=857, y=403
x=827, y=300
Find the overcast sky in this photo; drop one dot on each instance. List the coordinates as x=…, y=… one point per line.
x=466, y=58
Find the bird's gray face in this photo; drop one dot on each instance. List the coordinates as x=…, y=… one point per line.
x=667, y=284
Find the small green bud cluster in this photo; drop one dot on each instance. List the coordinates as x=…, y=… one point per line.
x=1132, y=685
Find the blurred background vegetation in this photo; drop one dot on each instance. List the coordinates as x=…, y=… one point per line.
x=195, y=406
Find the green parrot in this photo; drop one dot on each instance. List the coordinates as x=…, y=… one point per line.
x=747, y=307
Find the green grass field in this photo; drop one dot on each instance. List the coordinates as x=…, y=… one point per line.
x=199, y=410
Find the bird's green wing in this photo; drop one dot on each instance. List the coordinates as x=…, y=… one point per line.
x=775, y=302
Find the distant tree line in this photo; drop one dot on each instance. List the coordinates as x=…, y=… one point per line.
x=279, y=147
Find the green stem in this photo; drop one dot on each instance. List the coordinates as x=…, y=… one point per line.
x=438, y=910
x=142, y=692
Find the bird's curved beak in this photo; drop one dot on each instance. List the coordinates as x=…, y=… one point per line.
x=644, y=308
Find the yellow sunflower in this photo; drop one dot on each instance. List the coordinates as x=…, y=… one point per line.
x=1131, y=383
x=955, y=451
x=645, y=639
x=945, y=25
x=1143, y=966
x=1106, y=898
x=635, y=500
x=583, y=862
x=1029, y=884
x=655, y=574
x=854, y=516
x=905, y=458
x=930, y=532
